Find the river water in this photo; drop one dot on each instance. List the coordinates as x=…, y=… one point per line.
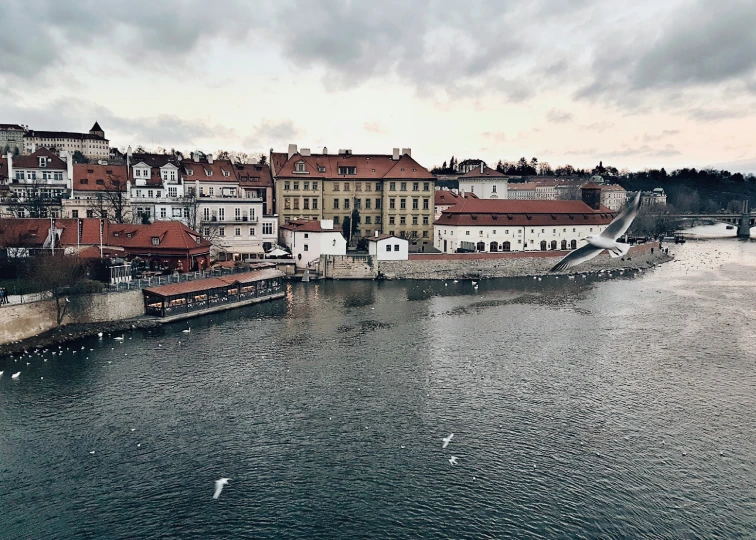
x=612, y=407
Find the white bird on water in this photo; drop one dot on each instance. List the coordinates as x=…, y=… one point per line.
x=187, y=330
x=453, y=460
x=607, y=240
x=16, y=375
x=99, y=334
x=447, y=440
x=1, y=373
x=119, y=338
x=219, y=486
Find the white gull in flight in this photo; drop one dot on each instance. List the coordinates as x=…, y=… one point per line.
x=447, y=440
x=219, y=486
x=606, y=240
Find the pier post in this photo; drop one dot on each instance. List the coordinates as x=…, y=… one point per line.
x=744, y=226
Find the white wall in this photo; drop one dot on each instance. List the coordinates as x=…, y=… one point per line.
x=378, y=249
x=311, y=245
x=484, y=188
x=520, y=238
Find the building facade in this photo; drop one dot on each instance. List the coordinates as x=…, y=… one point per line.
x=484, y=182
x=391, y=193
x=36, y=184
x=92, y=145
x=99, y=191
x=309, y=239
x=613, y=196
x=508, y=225
x=656, y=197
x=386, y=247
x=11, y=138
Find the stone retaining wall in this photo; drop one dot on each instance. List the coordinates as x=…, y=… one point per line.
x=494, y=265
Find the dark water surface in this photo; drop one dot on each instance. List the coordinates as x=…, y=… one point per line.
x=583, y=408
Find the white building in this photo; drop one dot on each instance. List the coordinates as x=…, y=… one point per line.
x=484, y=182
x=386, y=247
x=507, y=225
x=99, y=191
x=309, y=239
x=657, y=197
x=11, y=137
x=43, y=177
x=93, y=145
x=522, y=191
x=613, y=196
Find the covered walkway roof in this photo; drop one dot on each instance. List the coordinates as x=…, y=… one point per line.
x=176, y=289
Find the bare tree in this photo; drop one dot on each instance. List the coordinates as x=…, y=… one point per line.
x=111, y=202
x=58, y=274
x=36, y=201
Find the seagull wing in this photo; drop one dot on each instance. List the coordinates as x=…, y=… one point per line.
x=622, y=222
x=218, y=488
x=580, y=255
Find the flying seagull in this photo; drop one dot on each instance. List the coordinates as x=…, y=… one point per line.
x=16, y=375
x=447, y=440
x=219, y=486
x=606, y=240
x=453, y=460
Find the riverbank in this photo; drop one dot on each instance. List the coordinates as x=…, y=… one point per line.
x=74, y=331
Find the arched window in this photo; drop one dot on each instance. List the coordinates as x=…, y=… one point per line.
x=494, y=246
x=543, y=245
x=481, y=246
x=564, y=245
x=506, y=246
x=573, y=244
x=553, y=244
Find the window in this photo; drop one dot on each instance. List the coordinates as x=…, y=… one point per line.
x=237, y=231
x=396, y=247
x=335, y=220
x=226, y=173
x=336, y=186
x=287, y=203
x=368, y=184
x=415, y=186
x=426, y=204
x=221, y=231
x=368, y=220
x=86, y=181
x=314, y=204
x=296, y=203
x=172, y=192
x=237, y=214
x=347, y=170
x=306, y=202
x=467, y=233
x=346, y=204
x=74, y=213
x=206, y=231
x=155, y=241
x=176, y=212
x=158, y=194
x=335, y=204
x=306, y=186
x=287, y=185
x=163, y=212
x=426, y=186
x=206, y=214
x=346, y=186
x=392, y=204
x=378, y=186
x=377, y=220
x=306, y=247
x=414, y=220
x=391, y=220
x=388, y=247
x=425, y=234
x=403, y=186
x=426, y=220
x=221, y=214
x=315, y=185
x=402, y=220
x=493, y=189
x=321, y=168
x=392, y=186
x=211, y=191
x=251, y=231
x=403, y=204
x=300, y=166
x=358, y=186
x=208, y=172
x=415, y=204
x=367, y=204
x=296, y=186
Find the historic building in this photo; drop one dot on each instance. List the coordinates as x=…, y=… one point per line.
x=484, y=182
x=613, y=196
x=444, y=198
x=391, y=193
x=99, y=191
x=11, y=138
x=92, y=145
x=35, y=185
x=512, y=225
x=309, y=239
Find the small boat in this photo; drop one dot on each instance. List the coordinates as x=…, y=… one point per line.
x=730, y=227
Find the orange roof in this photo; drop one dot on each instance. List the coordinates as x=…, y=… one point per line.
x=307, y=225
x=20, y=229
x=214, y=282
x=253, y=174
x=23, y=232
x=491, y=212
x=444, y=197
x=171, y=235
x=99, y=177
x=487, y=171
x=367, y=166
x=209, y=172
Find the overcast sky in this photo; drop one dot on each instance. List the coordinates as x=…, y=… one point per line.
x=633, y=83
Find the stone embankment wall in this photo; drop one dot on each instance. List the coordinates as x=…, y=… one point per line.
x=21, y=321
x=497, y=265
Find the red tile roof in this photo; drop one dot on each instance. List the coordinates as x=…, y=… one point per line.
x=368, y=166
x=32, y=160
x=443, y=197
x=253, y=175
x=523, y=186
x=23, y=232
x=90, y=230
x=307, y=225
x=487, y=171
x=99, y=177
x=172, y=235
x=491, y=212
x=214, y=282
x=209, y=172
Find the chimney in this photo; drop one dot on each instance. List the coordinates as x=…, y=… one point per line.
x=396, y=154
x=11, y=175
x=481, y=168
x=376, y=234
x=305, y=151
x=407, y=151
x=210, y=159
x=325, y=150
x=292, y=150
x=195, y=156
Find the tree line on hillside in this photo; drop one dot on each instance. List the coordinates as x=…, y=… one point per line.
x=231, y=155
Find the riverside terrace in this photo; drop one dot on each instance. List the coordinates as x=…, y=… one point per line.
x=193, y=298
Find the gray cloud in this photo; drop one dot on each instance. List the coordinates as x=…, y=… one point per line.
x=645, y=150
x=666, y=133
x=714, y=115
x=556, y=116
x=275, y=134
x=597, y=127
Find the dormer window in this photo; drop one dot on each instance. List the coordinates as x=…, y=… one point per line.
x=300, y=166
x=190, y=172
x=226, y=173
x=155, y=241
x=43, y=161
x=100, y=182
x=208, y=172
x=321, y=168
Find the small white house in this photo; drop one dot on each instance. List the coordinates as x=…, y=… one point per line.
x=387, y=247
x=309, y=239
